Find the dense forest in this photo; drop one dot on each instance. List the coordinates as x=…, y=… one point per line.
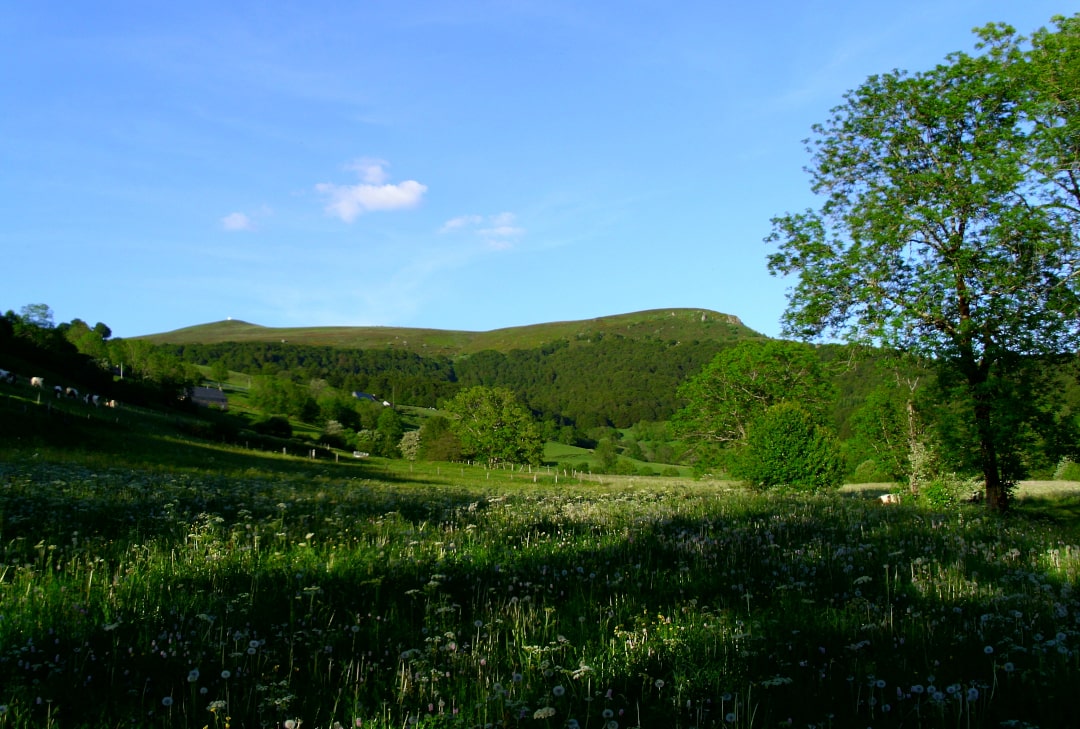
x=607, y=381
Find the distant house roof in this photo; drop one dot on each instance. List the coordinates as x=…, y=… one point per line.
x=207, y=396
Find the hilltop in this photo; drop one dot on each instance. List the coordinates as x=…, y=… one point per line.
x=678, y=325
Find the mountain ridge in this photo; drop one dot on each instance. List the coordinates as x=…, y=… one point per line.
x=672, y=324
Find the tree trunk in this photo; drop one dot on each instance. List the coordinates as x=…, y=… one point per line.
x=997, y=495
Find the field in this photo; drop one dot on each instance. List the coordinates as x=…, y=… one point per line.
x=252, y=591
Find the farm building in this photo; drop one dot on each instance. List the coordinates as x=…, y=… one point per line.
x=209, y=397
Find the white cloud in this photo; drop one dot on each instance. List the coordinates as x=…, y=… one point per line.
x=373, y=194
x=237, y=221
x=461, y=221
x=498, y=231
x=371, y=171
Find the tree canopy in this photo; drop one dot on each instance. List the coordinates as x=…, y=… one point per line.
x=743, y=382
x=493, y=426
x=948, y=221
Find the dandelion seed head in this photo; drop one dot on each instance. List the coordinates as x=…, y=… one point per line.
x=558, y=690
x=730, y=717
x=167, y=701
x=988, y=650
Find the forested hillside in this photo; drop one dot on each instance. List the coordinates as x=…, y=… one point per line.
x=608, y=381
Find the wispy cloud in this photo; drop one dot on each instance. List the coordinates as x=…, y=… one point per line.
x=237, y=222
x=372, y=194
x=497, y=231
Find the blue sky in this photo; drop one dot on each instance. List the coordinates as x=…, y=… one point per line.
x=454, y=165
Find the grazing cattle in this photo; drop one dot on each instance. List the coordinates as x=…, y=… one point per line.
x=37, y=382
x=71, y=392
x=89, y=399
x=889, y=498
x=58, y=390
x=8, y=377
x=111, y=404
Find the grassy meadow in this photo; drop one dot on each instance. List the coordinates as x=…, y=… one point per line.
x=232, y=589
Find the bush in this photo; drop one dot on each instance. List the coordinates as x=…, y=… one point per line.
x=335, y=435
x=869, y=472
x=948, y=491
x=787, y=447
x=1067, y=470
x=276, y=425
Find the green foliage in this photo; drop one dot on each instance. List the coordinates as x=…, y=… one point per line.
x=390, y=429
x=438, y=442
x=409, y=445
x=869, y=471
x=87, y=341
x=788, y=447
x=1067, y=470
x=37, y=315
x=947, y=491
x=276, y=425
x=334, y=434
x=219, y=370
x=740, y=384
x=494, y=427
x=949, y=223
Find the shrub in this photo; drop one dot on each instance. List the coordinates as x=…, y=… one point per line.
x=1067, y=470
x=409, y=445
x=869, y=472
x=786, y=446
x=947, y=491
x=334, y=435
x=276, y=425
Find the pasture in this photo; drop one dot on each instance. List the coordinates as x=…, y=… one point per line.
x=282, y=592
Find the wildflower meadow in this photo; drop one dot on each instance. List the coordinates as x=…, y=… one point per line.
x=396, y=595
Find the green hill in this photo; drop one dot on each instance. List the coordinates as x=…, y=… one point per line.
x=664, y=324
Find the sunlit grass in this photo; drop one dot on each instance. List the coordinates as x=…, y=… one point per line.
x=400, y=594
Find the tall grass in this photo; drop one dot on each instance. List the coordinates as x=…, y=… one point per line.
x=456, y=596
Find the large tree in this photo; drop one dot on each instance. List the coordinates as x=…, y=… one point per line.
x=948, y=226
x=494, y=426
x=740, y=384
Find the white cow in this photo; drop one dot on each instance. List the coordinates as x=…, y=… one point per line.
x=37, y=382
x=889, y=498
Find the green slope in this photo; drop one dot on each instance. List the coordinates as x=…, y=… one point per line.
x=664, y=324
